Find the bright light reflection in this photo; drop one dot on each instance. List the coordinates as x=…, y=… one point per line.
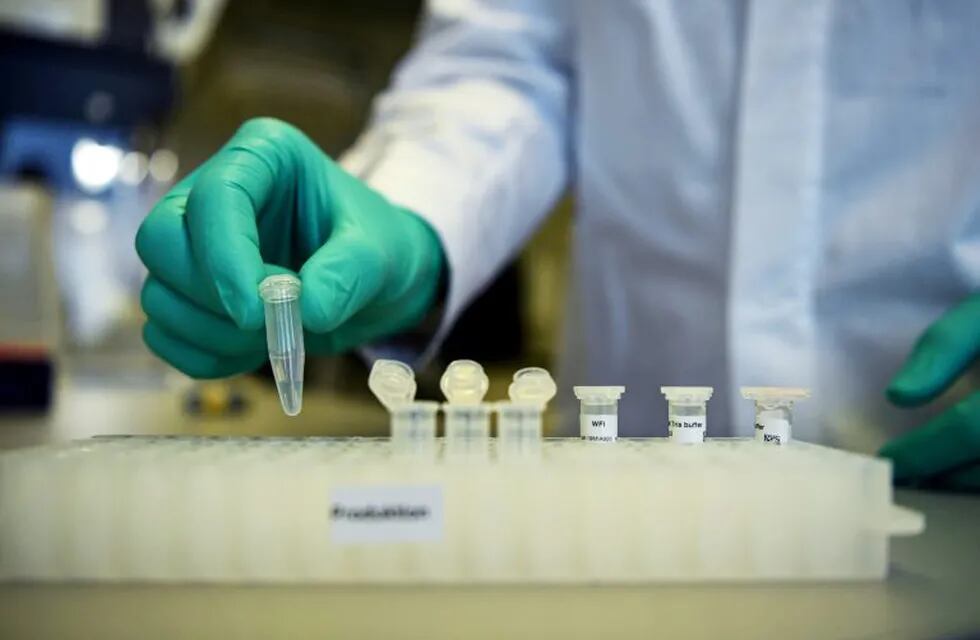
x=94, y=165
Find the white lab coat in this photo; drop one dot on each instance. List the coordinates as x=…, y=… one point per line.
x=768, y=192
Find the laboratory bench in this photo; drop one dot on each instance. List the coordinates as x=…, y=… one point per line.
x=931, y=591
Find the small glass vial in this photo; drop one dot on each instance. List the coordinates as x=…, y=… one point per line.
x=599, y=412
x=687, y=413
x=774, y=412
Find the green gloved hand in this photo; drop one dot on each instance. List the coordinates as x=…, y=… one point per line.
x=270, y=201
x=945, y=451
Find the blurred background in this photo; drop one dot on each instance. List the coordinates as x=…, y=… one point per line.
x=109, y=102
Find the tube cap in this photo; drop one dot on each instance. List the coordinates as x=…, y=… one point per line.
x=532, y=385
x=392, y=383
x=598, y=394
x=280, y=288
x=687, y=394
x=788, y=394
x=464, y=382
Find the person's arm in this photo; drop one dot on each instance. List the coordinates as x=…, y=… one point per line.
x=469, y=146
x=473, y=134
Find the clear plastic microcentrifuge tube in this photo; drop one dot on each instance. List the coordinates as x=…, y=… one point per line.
x=467, y=417
x=413, y=424
x=519, y=427
x=599, y=412
x=284, y=336
x=774, y=411
x=687, y=413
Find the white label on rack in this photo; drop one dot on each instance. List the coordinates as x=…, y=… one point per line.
x=687, y=429
x=599, y=428
x=774, y=430
x=385, y=514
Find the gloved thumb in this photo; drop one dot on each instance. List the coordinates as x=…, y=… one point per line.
x=943, y=352
x=340, y=279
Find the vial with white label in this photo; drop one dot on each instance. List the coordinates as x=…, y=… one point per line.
x=687, y=413
x=599, y=412
x=774, y=411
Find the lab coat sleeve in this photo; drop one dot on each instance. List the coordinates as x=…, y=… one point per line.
x=472, y=133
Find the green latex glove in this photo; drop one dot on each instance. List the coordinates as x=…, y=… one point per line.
x=271, y=201
x=945, y=451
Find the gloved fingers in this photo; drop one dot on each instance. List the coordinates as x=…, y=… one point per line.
x=949, y=440
x=183, y=319
x=340, y=279
x=321, y=344
x=361, y=329
x=193, y=361
x=163, y=245
x=367, y=326
x=943, y=352
x=254, y=171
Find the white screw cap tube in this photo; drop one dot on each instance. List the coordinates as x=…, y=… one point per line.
x=687, y=413
x=599, y=412
x=774, y=411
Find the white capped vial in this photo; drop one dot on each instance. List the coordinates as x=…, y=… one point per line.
x=774, y=411
x=599, y=412
x=687, y=413
x=284, y=336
